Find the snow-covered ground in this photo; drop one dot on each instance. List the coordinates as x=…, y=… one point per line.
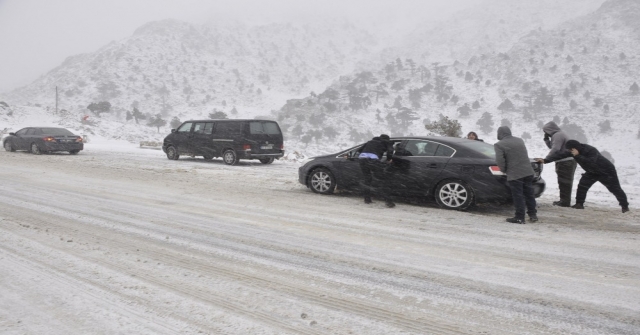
x=121, y=240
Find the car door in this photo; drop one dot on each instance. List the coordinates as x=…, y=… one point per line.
x=201, y=139
x=18, y=139
x=223, y=135
x=182, y=138
x=348, y=167
x=425, y=163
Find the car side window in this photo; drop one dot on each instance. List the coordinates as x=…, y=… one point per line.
x=185, y=128
x=21, y=132
x=31, y=132
x=199, y=128
x=208, y=128
x=444, y=151
x=228, y=128
x=421, y=148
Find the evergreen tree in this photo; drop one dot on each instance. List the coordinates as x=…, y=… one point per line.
x=445, y=127
x=635, y=89
x=406, y=116
x=476, y=104
x=485, y=123
x=157, y=121
x=506, y=105
x=175, y=123
x=216, y=114
x=605, y=126
x=464, y=110
x=526, y=136
x=137, y=115
x=505, y=122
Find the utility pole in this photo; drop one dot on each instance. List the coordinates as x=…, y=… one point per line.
x=56, y=99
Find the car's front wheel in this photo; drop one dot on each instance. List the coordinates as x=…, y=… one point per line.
x=322, y=181
x=172, y=153
x=230, y=157
x=34, y=149
x=454, y=194
x=266, y=160
x=74, y=152
x=9, y=146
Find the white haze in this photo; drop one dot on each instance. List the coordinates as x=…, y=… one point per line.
x=37, y=35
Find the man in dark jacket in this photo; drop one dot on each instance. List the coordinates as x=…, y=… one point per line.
x=372, y=167
x=513, y=159
x=597, y=168
x=556, y=139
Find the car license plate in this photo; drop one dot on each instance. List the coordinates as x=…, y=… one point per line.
x=268, y=146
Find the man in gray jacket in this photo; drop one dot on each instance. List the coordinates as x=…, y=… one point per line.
x=513, y=159
x=556, y=139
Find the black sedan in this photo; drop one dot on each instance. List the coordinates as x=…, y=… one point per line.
x=39, y=140
x=456, y=172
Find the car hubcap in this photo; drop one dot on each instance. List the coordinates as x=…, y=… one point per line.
x=453, y=195
x=172, y=153
x=34, y=149
x=7, y=146
x=321, y=181
x=228, y=157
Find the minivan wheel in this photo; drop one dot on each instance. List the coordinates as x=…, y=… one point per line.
x=322, y=181
x=266, y=160
x=9, y=146
x=454, y=194
x=34, y=149
x=230, y=157
x=74, y=152
x=172, y=153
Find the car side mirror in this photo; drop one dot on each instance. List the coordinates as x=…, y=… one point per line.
x=14, y=134
x=173, y=130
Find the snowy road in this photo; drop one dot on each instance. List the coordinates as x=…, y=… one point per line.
x=128, y=242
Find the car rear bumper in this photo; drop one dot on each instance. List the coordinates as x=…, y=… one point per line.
x=72, y=146
x=247, y=154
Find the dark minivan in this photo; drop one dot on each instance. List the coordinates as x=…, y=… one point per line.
x=230, y=139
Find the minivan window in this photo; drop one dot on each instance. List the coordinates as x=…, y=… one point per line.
x=185, y=128
x=199, y=128
x=208, y=128
x=228, y=128
x=269, y=128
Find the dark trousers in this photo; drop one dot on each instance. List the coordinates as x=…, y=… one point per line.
x=565, y=171
x=523, y=198
x=610, y=181
x=375, y=181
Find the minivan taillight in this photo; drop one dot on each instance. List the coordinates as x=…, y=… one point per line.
x=495, y=170
x=246, y=147
x=79, y=139
x=282, y=146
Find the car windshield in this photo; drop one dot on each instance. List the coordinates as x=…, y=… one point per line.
x=56, y=131
x=269, y=128
x=485, y=149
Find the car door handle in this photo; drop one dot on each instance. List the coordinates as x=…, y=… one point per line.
x=433, y=166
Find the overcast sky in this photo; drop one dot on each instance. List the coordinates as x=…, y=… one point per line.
x=37, y=35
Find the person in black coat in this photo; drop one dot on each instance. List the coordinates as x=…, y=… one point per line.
x=597, y=169
x=473, y=136
x=373, y=167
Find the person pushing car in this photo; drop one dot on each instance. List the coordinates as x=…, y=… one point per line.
x=373, y=167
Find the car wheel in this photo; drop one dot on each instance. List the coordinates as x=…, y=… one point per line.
x=34, y=149
x=208, y=157
x=172, y=153
x=266, y=160
x=9, y=146
x=230, y=157
x=322, y=181
x=454, y=194
x=74, y=152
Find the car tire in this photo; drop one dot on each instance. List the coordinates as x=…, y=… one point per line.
x=9, y=146
x=172, y=153
x=74, y=152
x=322, y=181
x=35, y=149
x=267, y=160
x=229, y=157
x=207, y=157
x=454, y=194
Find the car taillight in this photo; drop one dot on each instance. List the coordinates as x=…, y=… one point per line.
x=282, y=146
x=246, y=147
x=495, y=170
x=79, y=139
x=49, y=139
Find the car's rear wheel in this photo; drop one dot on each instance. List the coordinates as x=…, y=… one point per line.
x=266, y=160
x=9, y=146
x=74, y=152
x=322, y=181
x=172, y=153
x=454, y=194
x=34, y=149
x=229, y=157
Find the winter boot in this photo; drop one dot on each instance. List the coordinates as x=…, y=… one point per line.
x=578, y=206
x=533, y=218
x=625, y=209
x=390, y=204
x=515, y=220
x=561, y=204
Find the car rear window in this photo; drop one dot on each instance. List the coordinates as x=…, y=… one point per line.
x=55, y=131
x=259, y=127
x=482, y=148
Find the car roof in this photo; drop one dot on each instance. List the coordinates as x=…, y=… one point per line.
x=441, y=139
x=227, y=120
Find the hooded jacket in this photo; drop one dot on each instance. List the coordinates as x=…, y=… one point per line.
x=590, y=159
x=556, y=143
x=512, y=156
x=378, y=146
